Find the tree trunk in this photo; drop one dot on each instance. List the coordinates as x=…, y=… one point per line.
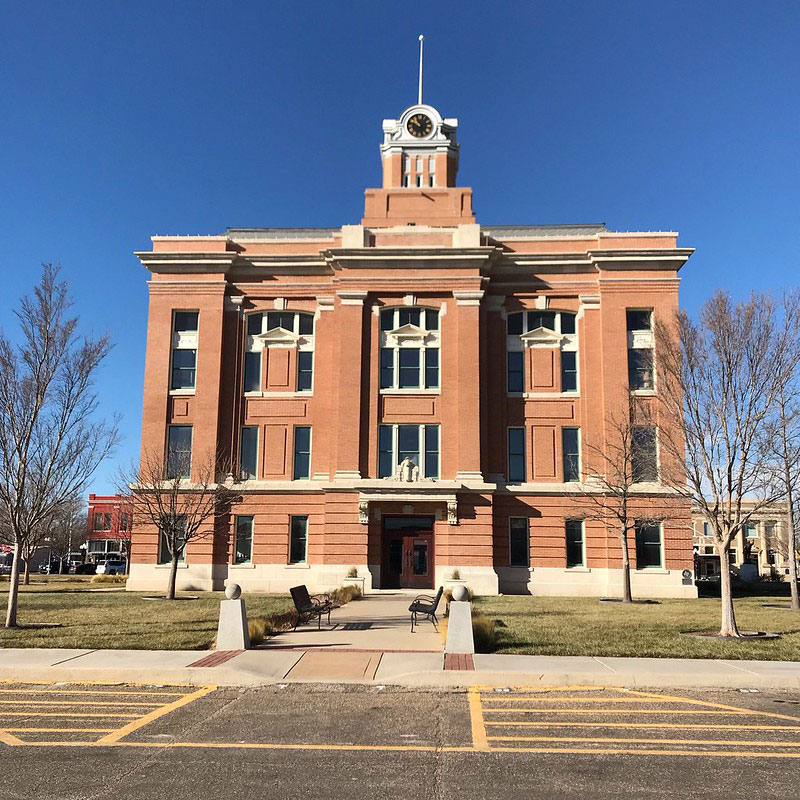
x=27, y=580
x=728, y=625
x=13, y=590
x=173, y=576
x=790, y=543
x=627, y=595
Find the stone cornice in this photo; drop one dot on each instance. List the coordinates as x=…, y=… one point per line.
x=411, y=257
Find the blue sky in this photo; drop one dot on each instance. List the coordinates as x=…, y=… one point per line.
x=123, y=120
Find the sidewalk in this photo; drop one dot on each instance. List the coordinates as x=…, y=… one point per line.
x=270, y=666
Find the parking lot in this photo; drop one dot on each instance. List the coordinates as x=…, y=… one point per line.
x=305, y=740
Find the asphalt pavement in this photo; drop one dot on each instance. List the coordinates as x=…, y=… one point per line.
x=86, y=741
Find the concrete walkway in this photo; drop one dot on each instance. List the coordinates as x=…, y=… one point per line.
x=269, y=666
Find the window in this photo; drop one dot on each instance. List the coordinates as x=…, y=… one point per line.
x=248, y=458
x=644, y=455
x=516, y=371
x=732, y=555
x=771, y=558
x=164, y=556
x=179, y=451
x=523, y=322
x=569, y=371
x=419, y=443
x=243, y=548
x=574, y=536
x=298, y=540
x=305, y=370
x=639, y=323
x=750, y=531
x=518, y=542
x=302, y=452
x=125, y=521
x=571, y=452
x=102, y=521
x=706, y=529
x=409, y=356
x=258, y=324
x=769, y=532
x=516, y=455
x=184, y=349
x=648, y=545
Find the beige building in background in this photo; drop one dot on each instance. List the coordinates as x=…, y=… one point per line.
x=763, y=543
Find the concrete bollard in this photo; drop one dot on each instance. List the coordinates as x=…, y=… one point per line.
x=232, y=633
x=459, y=628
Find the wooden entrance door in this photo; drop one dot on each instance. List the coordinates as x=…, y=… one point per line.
x=417, y=561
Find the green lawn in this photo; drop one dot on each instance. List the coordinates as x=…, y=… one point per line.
x=119, y=620
x=577, y=626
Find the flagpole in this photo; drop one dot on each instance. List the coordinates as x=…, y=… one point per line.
x=421, y=39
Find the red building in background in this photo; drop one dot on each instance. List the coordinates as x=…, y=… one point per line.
x=109, y=527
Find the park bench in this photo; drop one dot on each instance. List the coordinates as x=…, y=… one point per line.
x=425, y=605
x=310, y=606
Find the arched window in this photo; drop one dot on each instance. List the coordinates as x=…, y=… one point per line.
x=279, y=329
x=541, y=328
x=409, y=342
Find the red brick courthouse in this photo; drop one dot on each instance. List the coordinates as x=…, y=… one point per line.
x=411, y=395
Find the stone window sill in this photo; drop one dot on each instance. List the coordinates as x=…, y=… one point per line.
x=411, y=391
x=577, y=569
x=167, y=566
x=181, y=392
x=298, y=566
x=653, y=571
x=242, y=566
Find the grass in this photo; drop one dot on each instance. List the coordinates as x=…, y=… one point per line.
x=120, y=620
x=583, y=626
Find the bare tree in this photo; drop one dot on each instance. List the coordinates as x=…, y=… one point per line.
x=617, y=471
x=68, y=529
x=181, y=500
x=721, y=379
x=51, y=441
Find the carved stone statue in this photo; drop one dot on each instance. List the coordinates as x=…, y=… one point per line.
x=407, y=471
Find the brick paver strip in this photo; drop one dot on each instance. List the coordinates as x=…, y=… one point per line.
x=215, y=659
x=459, y=661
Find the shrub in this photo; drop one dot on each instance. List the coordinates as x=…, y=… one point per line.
x=344, y=594
x=352, y=572
x=484, y=632
x=456, y=576
x=108, y=579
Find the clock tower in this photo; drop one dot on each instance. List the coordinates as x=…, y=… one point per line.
x=419, y=150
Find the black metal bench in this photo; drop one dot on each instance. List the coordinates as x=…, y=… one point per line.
x=310, y=606
x=425, y=605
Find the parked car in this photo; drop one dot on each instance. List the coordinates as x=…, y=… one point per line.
x=5, y=569
x=85, y=569
x=112, y=567
x=51, y=567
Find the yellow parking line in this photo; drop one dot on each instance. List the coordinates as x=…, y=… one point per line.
x=61, y=714
x=493, y=691
x=476, y=717
x=92, y=692
x=155, y=714
x=72, y=703
x=632, y=724
x=639, y=741
x=608, y=751
x=7, y=738
x=59, y=730
x=772, y=714
x=596, y=700
x=613, y=711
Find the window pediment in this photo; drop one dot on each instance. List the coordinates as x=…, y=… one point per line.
x=541, y=337
x=408, y=333
x=278, y=336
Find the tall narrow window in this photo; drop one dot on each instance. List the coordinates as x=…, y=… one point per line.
x=574, y=535
x=431, y=451
x=298, y=540
x=252, y=372
x=644, y=454
x=648, y=545
x=569, y=371
x=518, y=542
x=243, y=548
x=409, y=348
x=409, y=368
x=305, y=370
x=164, y=553
x=179, y=451
x=385, y=451
x=302, y=452
x=248, y=461
x=184, y=349
x=570, y=446
x=639, y=324
x=516, y=455
x=516, y=372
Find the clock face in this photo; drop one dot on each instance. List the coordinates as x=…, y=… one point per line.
x=419, y=125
